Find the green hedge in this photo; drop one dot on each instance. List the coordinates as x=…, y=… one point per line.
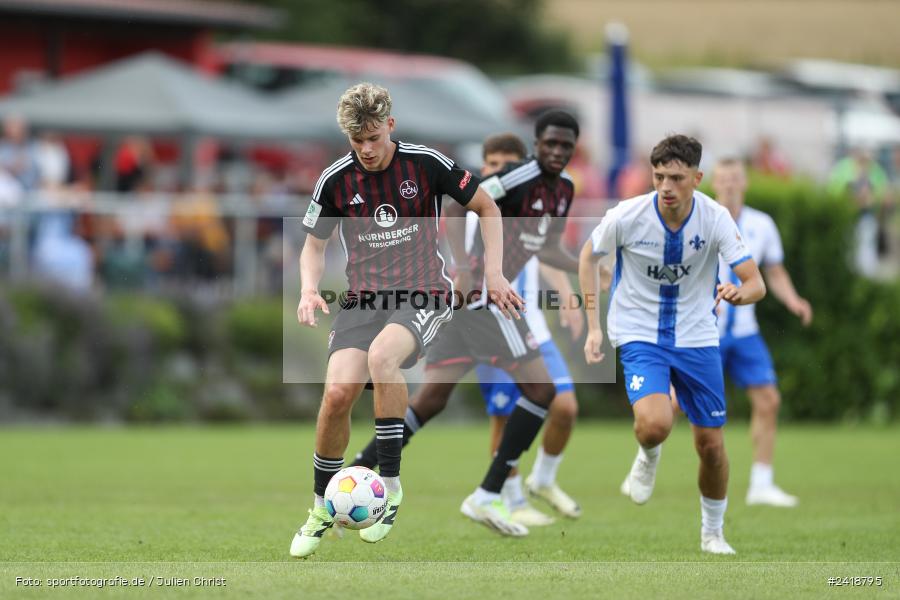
x=845, y=364
x=254, y=327
x=129, y=357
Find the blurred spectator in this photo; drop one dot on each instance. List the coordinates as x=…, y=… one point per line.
x=590, y=189
x=62, y=256
x=134, y=163
x=18, y=155
x=867, y=183
x=235, y=173
x=120, y=262
x=11, y=192
x=636, y=178
x=767, y=160
x=304, y=168
x=205, y=246
x=148, y=233
x=270, y=195
x=53, y=161
x=585, y=175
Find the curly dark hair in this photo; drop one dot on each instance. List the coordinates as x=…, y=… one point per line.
x=679, y=148
x=557, y=118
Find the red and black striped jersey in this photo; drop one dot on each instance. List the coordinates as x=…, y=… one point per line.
x=388, y=220
x=533, y=206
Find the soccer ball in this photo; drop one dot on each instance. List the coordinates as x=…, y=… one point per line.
x=355, y=497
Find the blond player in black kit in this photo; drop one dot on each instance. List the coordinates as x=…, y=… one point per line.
x=384, y=197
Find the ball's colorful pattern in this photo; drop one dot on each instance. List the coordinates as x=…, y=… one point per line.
x=355, y=497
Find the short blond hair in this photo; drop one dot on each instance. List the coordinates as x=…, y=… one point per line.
x=363, y=106
x=729, y=161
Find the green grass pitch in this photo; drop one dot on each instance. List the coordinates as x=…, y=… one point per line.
x=224, y=503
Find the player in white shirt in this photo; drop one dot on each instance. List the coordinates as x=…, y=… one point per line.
x=745, y=356
x=662, y=318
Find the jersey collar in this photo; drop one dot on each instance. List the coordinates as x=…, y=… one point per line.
x=663, y=222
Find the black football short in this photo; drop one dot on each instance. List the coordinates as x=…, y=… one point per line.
x=360, y=322
x=483, y=335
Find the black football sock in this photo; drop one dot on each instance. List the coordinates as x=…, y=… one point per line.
x=323, y=470
x=521, y=429
x=368, y=456
x=388, y=445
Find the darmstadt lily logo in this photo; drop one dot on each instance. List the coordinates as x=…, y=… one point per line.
x=636, y=382
x=697, y=243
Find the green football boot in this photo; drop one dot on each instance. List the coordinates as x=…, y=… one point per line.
x=494, y=515
x=307, y=540
x=379, y=530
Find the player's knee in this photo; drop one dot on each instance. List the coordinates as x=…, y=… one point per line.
x=540, y=393
x=653, y=433
x=653, y=429
x=711, y=450
x=564, y=409
x=383, y=362
x=767, y=402
x=338, y=399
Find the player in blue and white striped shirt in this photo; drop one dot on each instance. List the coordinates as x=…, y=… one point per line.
x=662, y=317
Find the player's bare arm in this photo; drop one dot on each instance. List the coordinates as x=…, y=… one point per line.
x=499, y=289
x=589, y=279
x=312, y=265
x=779, y=281
x=752, y=288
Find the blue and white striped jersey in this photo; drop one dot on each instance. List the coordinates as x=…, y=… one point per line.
x=664, y=281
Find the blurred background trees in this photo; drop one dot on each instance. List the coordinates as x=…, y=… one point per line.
x=500, y=36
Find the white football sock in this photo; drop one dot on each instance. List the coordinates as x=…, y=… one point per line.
x=712, y=513
x=512, y=492
x=650, y=454
x=482, y=496
x=392, y=484
x=318, y=501
x=761, y=475
x=545, y=468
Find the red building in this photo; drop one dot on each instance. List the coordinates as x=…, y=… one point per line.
x=42, y=39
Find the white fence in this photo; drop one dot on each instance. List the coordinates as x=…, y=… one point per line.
x=128, y=220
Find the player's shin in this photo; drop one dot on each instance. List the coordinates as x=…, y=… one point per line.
x=368, y=456
x=523, y=426
x=712, y=513
x=388, y=445
x=545, y=468
x=324, y=469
